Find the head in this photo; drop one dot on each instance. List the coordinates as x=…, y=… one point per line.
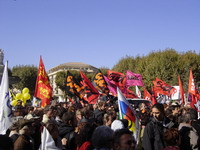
x=53, y=130
x=124, y=140
x=157, y=111
x=172, y=137
x=102, y=137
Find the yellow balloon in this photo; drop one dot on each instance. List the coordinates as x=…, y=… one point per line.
x=26, y=96
x=19, y=96
x=25, y=90
x=14, y=102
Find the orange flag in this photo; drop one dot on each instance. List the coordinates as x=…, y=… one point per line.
x=181, y=89
x=191, y=85
x=43, y=89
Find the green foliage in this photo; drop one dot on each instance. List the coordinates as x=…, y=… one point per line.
x=28, y=76
x=166, y=65
x=60, y=80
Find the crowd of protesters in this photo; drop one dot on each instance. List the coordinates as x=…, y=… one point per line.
x=98, y=127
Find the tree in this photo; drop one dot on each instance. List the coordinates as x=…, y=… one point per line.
x=27, y=75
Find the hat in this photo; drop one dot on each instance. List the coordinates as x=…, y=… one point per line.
x=117, y=124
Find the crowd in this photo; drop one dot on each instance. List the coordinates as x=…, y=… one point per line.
x=97, y=127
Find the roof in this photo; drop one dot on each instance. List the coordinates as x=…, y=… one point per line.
x=71, y=65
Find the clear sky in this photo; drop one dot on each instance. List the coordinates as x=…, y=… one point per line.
x=96, y=32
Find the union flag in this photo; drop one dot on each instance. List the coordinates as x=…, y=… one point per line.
x=43, y=89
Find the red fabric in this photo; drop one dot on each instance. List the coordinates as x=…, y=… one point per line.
x=91, y=92
x=84, y=146
x=147, y=95
x=181, y=90
x=43, y=89
x=163, y=88
x=117, y=77
x=191, y=84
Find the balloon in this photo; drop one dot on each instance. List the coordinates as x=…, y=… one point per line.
x=25, y=90
x=19, y=96
x=14, y=102
x=26, y=96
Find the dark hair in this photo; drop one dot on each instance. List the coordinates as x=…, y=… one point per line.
x=68, y=116
x=6, y=143
x=118, y=133
x=171, y=137
x=160, y=107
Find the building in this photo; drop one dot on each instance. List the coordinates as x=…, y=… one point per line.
x=65, y=67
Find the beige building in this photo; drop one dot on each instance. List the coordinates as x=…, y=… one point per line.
x=64, y=67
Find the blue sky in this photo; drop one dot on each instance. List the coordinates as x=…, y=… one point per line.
x=96, y=32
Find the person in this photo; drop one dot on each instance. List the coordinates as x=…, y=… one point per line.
x=102, y=138
x=124, y=140
x=24, y=141
x=6, y=143
x=189, y=136
x=172, y=139
x=154, y=130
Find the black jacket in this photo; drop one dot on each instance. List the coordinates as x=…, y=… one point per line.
x=153, y=134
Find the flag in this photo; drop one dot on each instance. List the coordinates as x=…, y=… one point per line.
x=43, y=89
x=191, y=85
x=181, y=90
x=73, y=86
x=100, y=84
x=147, y=95
x=117, y=78
x=138, y=93
x=126, y=112
x=130, y=94
x=5, y=107
x=91, y=93
x=133, y=79
x=47, y=142
x=153, y=97
x=163, y=88
x=111, y=86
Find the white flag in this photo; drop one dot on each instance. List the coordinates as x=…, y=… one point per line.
x=5, y=107
x=138, y=93
x=47, y=142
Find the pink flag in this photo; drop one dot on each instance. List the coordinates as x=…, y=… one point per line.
x=133, y=79
x=111, y=85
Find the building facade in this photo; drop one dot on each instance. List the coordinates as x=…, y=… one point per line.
x=65, y=67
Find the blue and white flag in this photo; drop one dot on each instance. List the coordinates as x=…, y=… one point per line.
x=5, y=107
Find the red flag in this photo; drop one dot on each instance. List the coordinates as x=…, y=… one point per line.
x=163, y=88
x=130, y=94
x=153, y=98
x=181, y=90
x=191, y=85
x=147, y=95
x=117, y=77
x=91, y=92
x=43, y=89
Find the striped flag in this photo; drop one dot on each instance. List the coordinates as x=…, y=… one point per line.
x=126, y=112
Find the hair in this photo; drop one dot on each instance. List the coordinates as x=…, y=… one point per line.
x=85, y=134
x=48, y=108
x=6, y=143
x=172, y=137
x=68, y=116
x=160, y=107
x=118, y=133
x=102, y=137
